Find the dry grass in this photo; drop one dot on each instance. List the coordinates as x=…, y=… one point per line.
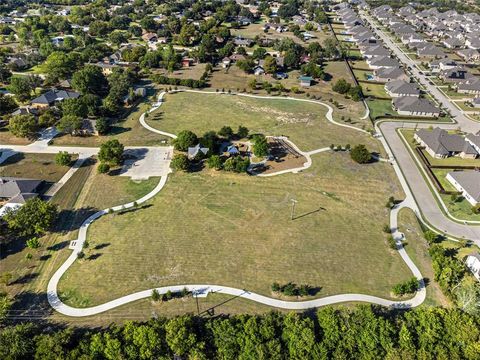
x=7, y=138
x=33, y=166
x=237, y=80
x=304, y=123
x=236, y=230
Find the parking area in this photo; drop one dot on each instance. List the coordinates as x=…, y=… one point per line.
x=144, y=162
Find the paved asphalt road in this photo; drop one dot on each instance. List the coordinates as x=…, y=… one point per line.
x=464, y=122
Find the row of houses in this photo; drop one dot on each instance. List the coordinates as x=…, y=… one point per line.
x=421, y=31
x=406, y=96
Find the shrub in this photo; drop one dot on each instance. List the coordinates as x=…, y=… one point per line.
x=392, y=243
x=63, y=158
x=155, y=295
x=386, y=229
x=180, y=162
x=360, y=154
x=33, y=243
x=103, y=168
x=215, y=162
x=408, y=287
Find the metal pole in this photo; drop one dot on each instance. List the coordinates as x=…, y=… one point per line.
x=293, y=209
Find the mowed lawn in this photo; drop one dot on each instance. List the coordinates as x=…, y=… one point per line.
x=33, y=166
x=228, y=229
x=304, y=123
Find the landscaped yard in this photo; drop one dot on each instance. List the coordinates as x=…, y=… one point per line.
x=380, y=108
x=375, y=90
x=304, y=123
x=222, y=228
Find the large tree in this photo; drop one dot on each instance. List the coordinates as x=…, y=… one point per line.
x=360, y=154
x=90, y=79
x=21, y=86
x=184, y=140
x=23, y=125
x=69, y=123
x=111, y=152
x=35, y=217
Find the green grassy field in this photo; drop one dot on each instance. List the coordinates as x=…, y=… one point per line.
x=375, y=90
x=304, y=123
x=236, y=230
x=380, y=108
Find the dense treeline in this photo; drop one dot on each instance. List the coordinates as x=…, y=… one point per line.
x=363, y=332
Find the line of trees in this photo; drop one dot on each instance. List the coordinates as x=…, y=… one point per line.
x=360, y=332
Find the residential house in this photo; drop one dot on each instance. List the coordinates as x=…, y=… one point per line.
x=382, y=62
x=474, y=140
x=472, y=261
x=440, y=144
x=398, y=88
x=413, y=106
x=442, y=65
x=16, y=191
x=374, y=51
x=456, y=74
x=468, y=54
x=389, y=74
x=150, y=37
x=52, y=97
x=468, y=183
x=471, y=86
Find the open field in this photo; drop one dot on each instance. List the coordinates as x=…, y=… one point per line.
x=236, y=80
x=236, y=230
x=129, y=132
x=84, y=193
x=193, y=72
x=304, y=123
x=417, y=249
x=255, y=29
x=34, y=166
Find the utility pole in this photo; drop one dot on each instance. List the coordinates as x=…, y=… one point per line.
x=292, y=215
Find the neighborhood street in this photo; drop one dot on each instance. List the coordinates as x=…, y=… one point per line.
x=463, y=121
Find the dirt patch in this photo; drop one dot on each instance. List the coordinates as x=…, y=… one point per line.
x=282, y=157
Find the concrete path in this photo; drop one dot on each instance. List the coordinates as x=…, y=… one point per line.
x=204, y=289
x=59, y=184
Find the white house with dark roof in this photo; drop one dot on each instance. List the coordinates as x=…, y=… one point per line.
x=414, y=106
x=468, y=183
x=440, y=144
x=397, y=88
